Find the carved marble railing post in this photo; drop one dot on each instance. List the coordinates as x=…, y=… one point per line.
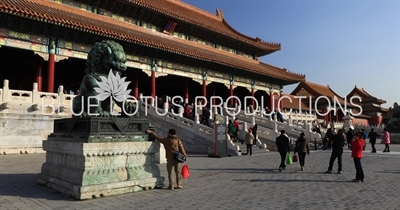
x=196, y=124
x=165, y=107
x=180, y=112
x=60, y=96
x=308, y=131
x=6, y=91
x=253, y=121
x=35, y=94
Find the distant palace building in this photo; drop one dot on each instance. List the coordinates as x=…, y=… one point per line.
x=371, y=106
x=372, y=112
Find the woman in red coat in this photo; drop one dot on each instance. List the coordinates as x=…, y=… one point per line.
x=357, y=145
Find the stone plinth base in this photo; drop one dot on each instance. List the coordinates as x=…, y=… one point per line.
x=395, y=138
x=89, y=170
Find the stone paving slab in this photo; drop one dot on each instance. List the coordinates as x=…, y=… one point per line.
x=243, y=182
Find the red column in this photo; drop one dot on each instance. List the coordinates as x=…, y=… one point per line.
x=271, y=101
x=204, y=89
x=38, y=77
x=153, y=84
x=213, y=93
x=187, y=89
x=252, y=95
x=337, y=116
x=231, y=94
x=50, y=73
x=281, y=105
x=136, y=86
x=329, y=116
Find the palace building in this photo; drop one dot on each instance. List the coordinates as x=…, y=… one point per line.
x=331, y=107
x=371, y=106
x=172, y=48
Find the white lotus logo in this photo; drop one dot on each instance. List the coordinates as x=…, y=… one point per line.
x=113, y=86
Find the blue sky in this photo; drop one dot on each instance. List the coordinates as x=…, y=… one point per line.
x=335, y=43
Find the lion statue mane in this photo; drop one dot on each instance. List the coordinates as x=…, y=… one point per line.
x=102, y=57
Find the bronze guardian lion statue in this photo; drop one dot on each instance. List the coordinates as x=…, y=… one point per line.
x=104, y=56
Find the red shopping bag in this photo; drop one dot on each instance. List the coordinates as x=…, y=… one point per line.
x=185, y=171
x=294, y=158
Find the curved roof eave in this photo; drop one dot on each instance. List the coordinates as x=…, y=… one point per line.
x=211, y=22
x=57, y=14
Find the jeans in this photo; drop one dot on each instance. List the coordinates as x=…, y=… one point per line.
x=171, y=165
x=283, y=159
x=359, y=169
x=302, y=158
x=334, y=155
x=249, y=148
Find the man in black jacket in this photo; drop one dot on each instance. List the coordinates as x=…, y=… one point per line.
x=282, y=142
x=372, y=139
x=338, y=142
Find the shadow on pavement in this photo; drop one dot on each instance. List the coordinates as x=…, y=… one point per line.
x=289, y=180
x=389, y=172
x=24, y=185
x=237, y=170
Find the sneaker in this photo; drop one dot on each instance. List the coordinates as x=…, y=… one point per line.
x=171, y=187
x=328, y=172
x=339, y=172
x=302, y=168
x=179, y=187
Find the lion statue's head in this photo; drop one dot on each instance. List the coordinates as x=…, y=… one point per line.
x=106, y=55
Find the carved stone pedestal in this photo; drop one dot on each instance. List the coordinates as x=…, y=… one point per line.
x=97, y=165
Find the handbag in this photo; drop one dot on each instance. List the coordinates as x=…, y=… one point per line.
x=179, y=156
x=295, y=158
x=289, y=159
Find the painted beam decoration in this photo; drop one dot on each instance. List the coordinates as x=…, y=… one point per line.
x=23, y=41
x=66, y=48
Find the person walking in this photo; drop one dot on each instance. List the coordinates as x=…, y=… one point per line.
x=254, y=131
x=372, y=139
x=349, y=137
x=236, y=124
x=249, y=138
x=282, y=142
x=357, y=145
x=386, y=139
x=302, y=148
x=364, y=137
x=338, y=142
x=231, y=130
x=205, y=117
x=172, y=143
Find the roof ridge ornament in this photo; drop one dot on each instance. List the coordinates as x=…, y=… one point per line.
x=220, y=14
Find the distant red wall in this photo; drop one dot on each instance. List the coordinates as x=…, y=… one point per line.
x=376, y=120
x=360, y=121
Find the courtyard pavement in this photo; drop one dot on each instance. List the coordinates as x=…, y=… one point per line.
x=246, y=182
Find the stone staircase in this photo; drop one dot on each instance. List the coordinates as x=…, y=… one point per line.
x=268, y=129
x=196, y=138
